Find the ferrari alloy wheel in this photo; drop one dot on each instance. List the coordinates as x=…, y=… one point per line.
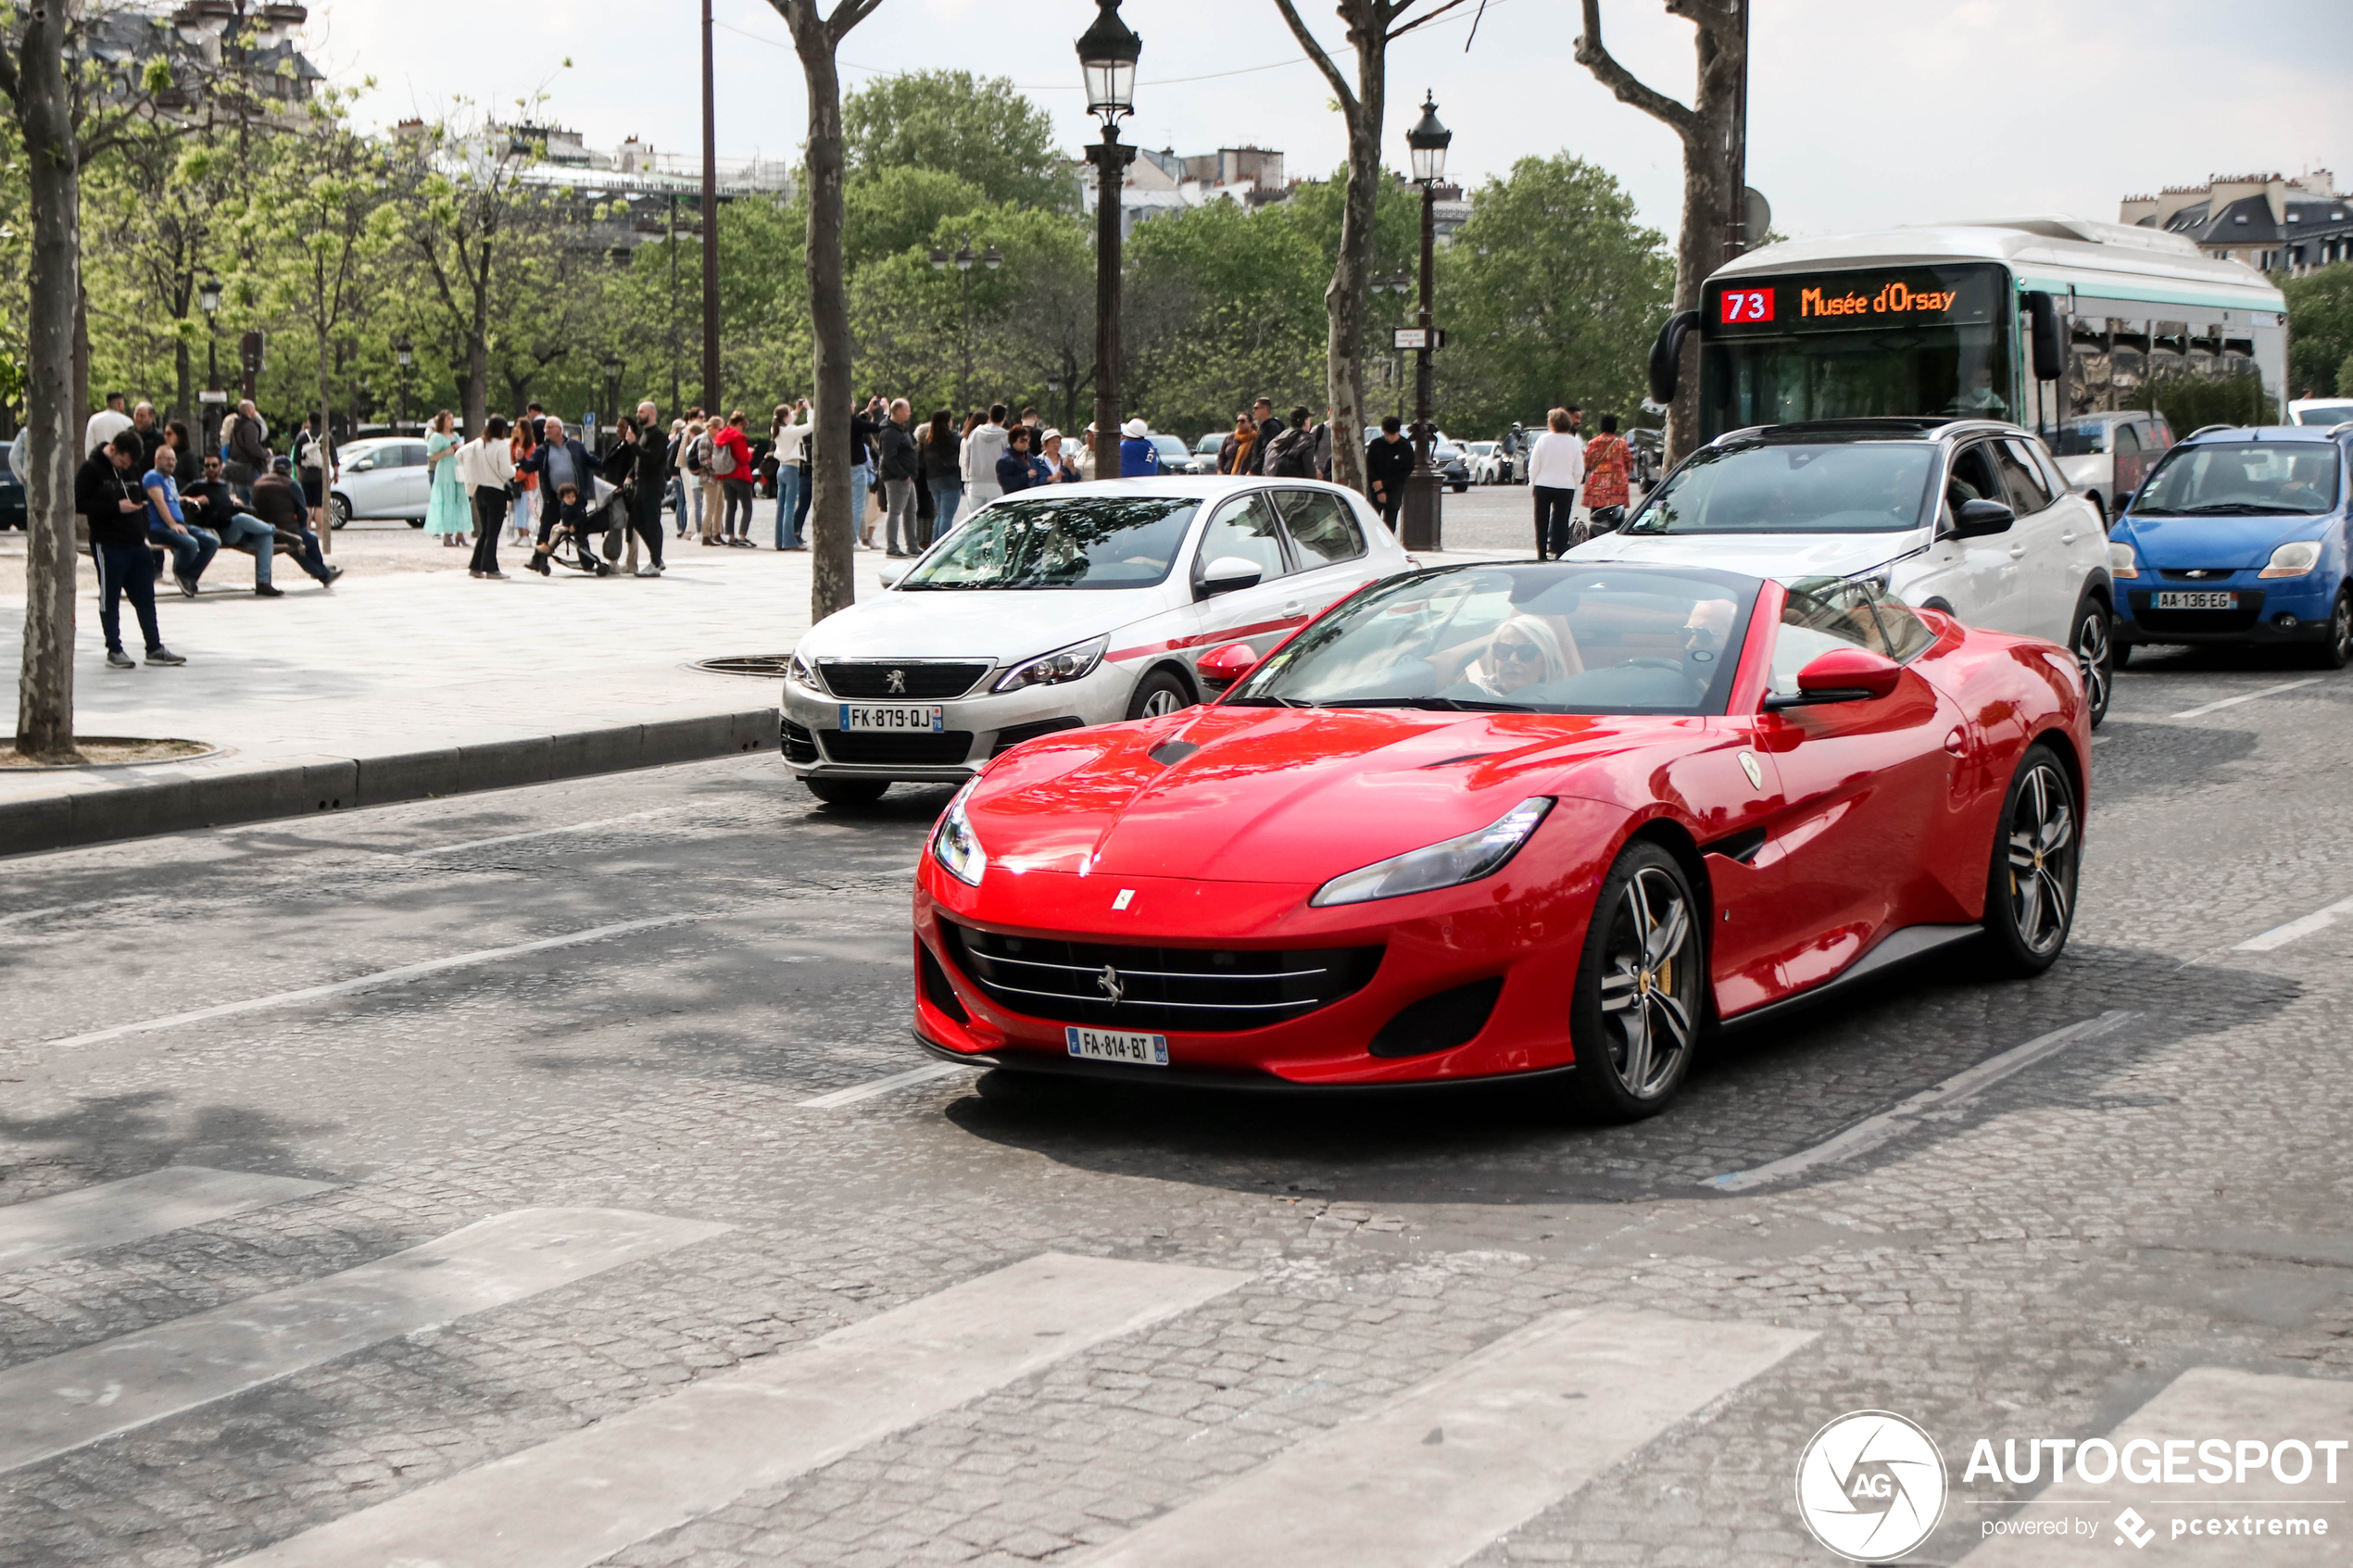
x=1162, y=692
x=2335, y=653
x=2095, y=657
x=2030, y=898
x=1641, y=988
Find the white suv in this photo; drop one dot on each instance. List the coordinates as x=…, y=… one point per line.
x=1971, y=516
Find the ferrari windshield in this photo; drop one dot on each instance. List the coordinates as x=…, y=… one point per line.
x=1555, y=638
x=2243, y=479
x=1790, y=487
x=1082, y=542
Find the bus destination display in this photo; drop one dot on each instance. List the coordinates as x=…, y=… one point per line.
x=1843, y=301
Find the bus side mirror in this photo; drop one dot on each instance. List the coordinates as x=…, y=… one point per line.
x=1667, y=354
x=2050, y=352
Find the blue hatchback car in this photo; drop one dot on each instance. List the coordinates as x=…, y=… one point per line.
x=2239, y=536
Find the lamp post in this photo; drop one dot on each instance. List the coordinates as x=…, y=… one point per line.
x=992, y=258
x=1427, y=142
x=404, y=354
x=612, y=363
x=208, y=300
x=1107, y=54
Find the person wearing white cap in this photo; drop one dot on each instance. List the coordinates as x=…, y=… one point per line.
x=1137, y=456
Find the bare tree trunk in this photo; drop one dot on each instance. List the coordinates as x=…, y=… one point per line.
x=477, y=387
x=1709, y=127
x=833, y=509
x=37, y=83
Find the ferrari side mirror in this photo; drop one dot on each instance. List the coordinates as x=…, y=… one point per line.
x=1841, y=675
x=1222, y=667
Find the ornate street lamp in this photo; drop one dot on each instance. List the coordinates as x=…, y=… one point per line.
x=1107, y=54
x=208, y=301
x=1426, y=143
x=612, y=363
x=404, y=354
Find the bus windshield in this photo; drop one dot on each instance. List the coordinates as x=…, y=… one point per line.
x=1846, y=344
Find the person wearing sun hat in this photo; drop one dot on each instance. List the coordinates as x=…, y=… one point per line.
x=1137, y=456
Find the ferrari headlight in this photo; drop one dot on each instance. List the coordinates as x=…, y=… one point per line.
x=2293, y=559
x=1052, y=669
x=952, y=842
x=2121, y=561
x=1456, y=860
x=805, y=672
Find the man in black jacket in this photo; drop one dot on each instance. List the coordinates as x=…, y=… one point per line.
x=653, y=458
x=107, y=493
x=1389, y=462
x=1269, y=427
x=894, y=460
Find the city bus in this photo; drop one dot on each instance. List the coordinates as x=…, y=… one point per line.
x=2038, y=320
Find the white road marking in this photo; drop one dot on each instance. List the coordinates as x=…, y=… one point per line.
x=2248, y=697
x=2280, y=935
x=883, y=1086
x=2204, y=1403
x=1440, y=1472
x=543, y=832
x=580, y=1497
x=134, y=1209
x=66, y=1402
x=367, y=982
x=1900, y=1118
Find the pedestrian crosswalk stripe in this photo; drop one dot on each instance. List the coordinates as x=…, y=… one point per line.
x=581, y=1497
x=2203, y=1403
x=883, y=1086
x=1443, y=1470
x=65, y=1402
x=134, y=1209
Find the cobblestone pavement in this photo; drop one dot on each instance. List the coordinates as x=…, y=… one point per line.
x=2041, y=1259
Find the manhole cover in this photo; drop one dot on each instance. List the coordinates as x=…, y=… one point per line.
x=767, y=666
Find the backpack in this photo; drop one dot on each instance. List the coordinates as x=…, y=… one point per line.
x=722, y=459
x=696, y=448
x=1293, y=455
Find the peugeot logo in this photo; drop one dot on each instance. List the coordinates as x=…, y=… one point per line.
x=897, y=679
x=1109, y=984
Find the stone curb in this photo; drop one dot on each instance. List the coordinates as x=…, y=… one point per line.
x=221, y=799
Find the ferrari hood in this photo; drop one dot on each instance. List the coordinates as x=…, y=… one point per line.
x=2186, y=543
x=1781, y=556
x=1283, y=796
x=998, y=624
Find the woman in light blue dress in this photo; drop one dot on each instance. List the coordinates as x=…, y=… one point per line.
x=447, y=515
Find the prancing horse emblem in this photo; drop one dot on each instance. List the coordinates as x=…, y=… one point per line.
x=1108, y=983
x=897, y=679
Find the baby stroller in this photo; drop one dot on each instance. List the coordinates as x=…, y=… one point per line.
x=589, y=538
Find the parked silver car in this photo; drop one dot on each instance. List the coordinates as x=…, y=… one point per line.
x=384, y=476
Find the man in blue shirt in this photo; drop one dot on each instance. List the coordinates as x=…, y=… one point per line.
x=168, y=528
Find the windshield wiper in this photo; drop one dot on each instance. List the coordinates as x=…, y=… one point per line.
x=2242, y=509
x=1434, y=704
x=1269, y=702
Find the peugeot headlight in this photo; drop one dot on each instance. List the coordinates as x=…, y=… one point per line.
x=1052, y=669
x=952, y=842
x=1456, y=860
x=2121, y=561
x=805, y=672
x=2293, y=559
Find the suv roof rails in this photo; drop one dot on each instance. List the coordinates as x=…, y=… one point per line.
x=2207, y=430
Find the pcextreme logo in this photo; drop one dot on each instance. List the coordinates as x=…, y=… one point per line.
x=1870, y=1486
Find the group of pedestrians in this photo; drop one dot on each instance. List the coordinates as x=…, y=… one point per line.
x=152, y=502
x=1565, y=468
x=532, y=482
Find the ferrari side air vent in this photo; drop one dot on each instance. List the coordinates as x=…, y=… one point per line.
x=1440, y=1022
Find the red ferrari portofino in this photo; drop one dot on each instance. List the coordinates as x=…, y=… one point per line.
x=1548, y=819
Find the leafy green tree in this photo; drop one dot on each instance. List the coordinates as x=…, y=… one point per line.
x=2319, y=328
x=1550, y=294
x=891, y=210
x=977, y=128
x=1223, y=305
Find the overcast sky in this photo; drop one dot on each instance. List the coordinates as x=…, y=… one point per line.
x=1863, y=112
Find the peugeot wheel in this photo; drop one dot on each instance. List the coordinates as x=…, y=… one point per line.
x=847, y=792
x=2335, y=653
x=1162, y=692
x=2095, y=657
x=339, y=512
x=1641, y=992
x=2030, y=893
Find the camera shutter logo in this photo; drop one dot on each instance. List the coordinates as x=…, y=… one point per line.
x=1870, y=1486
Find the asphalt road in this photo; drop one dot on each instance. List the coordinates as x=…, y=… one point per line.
x=567, y=1128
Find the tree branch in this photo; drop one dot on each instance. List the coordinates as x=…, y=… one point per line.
x=8, y=78
x=1423, y=20
x=847, y=15
x=1323, y=61
x=1595, y=56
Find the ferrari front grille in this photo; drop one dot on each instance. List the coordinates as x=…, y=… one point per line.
x=1196, y=990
